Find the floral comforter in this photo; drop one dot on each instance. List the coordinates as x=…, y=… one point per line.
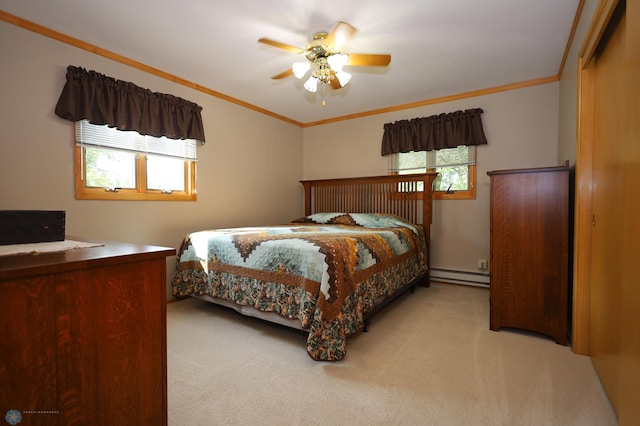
x=326, y=269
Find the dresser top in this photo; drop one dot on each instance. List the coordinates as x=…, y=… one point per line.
x=106, y=254
x=530, y=170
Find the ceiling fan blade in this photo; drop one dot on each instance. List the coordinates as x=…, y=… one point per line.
x=283, y=74
x=340, y=34
x=279, y=45
x=368, y=60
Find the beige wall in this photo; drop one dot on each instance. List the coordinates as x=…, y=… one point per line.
x=247, y=174
x=522, y=131
x=569, y=88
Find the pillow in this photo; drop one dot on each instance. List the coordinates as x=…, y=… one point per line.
x=327, y=218
x=369, y=220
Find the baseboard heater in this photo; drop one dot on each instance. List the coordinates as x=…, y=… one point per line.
x=478, y=279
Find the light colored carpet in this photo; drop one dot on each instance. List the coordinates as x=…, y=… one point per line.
x=429, y=358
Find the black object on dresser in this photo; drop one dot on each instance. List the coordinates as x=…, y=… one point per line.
x=31, y=226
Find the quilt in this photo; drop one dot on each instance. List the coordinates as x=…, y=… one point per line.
x=326, y=270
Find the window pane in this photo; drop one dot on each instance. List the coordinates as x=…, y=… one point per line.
x=459, y=155
x=455, y=178
x=165, y=173
x=411, y=162
x=107, y=168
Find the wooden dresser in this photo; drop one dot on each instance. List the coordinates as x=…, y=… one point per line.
x=529, y=250
x=84, y=336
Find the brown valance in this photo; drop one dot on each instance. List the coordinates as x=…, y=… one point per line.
x=434, y=132
x=104, y=100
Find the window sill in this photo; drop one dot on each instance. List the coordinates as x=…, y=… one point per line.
x=101, y=194
x=456, y=195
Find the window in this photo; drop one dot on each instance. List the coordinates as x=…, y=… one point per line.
x=456, y=169
x=112, y=164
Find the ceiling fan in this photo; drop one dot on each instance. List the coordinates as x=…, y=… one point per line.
x=324, y=58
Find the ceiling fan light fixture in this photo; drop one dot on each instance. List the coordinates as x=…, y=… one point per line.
x=337, y=61
x=343, y=77
x=312, y=84
x=300, y=68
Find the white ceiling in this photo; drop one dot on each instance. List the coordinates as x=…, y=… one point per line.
x=438, y=47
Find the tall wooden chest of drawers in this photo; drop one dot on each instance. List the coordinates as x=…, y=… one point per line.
x=529, y=250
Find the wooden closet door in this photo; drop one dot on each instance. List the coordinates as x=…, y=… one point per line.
x=631, y=202
x=615, y=293
x=608, y=231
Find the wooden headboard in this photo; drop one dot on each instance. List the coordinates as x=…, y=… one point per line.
x=406, y=196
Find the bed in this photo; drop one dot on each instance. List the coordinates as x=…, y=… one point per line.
x=361, y=243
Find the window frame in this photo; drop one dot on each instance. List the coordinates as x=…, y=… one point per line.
x=140, y=192
x=468, y=194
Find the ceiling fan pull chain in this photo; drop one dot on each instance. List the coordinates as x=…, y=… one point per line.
x=324, y=88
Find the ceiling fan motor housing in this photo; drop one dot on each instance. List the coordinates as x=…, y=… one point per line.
x=317, y=49
x=317, y=53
